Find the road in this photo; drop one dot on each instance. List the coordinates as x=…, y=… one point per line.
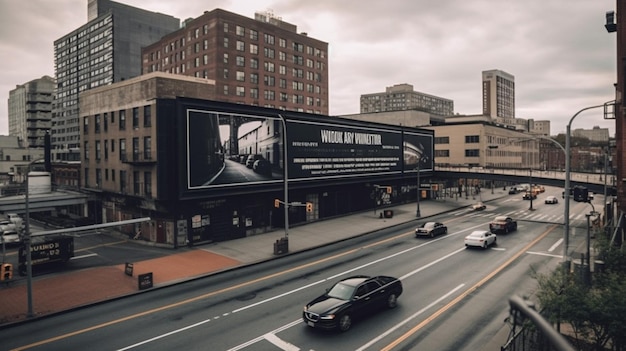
x=454, y=298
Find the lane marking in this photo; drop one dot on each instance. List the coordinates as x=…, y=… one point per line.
x=239, y=286
x=466, y=293
x=556, y=244
x=280, y=343
x=83, y=256
x=413, y=316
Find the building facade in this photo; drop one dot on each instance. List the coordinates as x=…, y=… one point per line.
x=155, y=147
x=595, y=135
x=480, y=144
x=261, y=62
x=30, y=111
x=105, y=50
x=401, y=97
x=499, y=94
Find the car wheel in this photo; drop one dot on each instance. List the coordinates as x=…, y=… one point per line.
x=432, y=233
x=392, y=301
x=345, y=322
x=485, y=245
x=495, y=241
x=445, y=231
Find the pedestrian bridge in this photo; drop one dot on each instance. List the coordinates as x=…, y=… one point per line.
x=596, y=182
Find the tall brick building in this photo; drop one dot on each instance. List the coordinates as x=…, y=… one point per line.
x=261, y=62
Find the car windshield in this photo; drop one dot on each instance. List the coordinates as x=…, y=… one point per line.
x=341, y=291
x=429, y=225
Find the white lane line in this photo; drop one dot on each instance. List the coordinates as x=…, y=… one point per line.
x=280, y=343
x=556, y=244
x=262, y=337
x=543, y=254
x=413, y=316
x=83, y=256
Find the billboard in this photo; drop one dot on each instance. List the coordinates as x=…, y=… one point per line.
x=226, y=148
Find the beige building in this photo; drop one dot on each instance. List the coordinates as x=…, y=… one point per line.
x=30, y=111
x=409, y=118
x=595, y=135
x=498, y=94
x=484, y=145
x=402, y=97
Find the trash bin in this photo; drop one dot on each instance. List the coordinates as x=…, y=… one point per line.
x=281, y=246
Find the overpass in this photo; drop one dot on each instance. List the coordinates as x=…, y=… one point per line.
x=596, y=182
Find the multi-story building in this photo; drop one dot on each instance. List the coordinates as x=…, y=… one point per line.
x=499, y=95
x=154, y=146
x=30, y=111
x=105, y=50
x=483, y=144
x=262, y=61
x=401, y=97
x=595, y=135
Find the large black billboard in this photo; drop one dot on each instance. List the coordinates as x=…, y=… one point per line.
x=224, y=148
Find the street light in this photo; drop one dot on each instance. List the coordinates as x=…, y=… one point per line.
x=532, y=191
x=418, y=214
x=566, y=258
x=285, y=182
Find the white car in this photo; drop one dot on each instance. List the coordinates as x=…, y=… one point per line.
x=479, y=206
x=9, y=237
x=480, y=238
x=552, y=200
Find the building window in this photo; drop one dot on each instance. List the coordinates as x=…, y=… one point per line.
x=105, y=119
x=136, y=183
x=254, y=63
x=442, y=140
x=472, y=139
x=241, y=76
x=122, y=119
x=472, y=153
x=106, y=149
x=225, y=73
x=241, y=46
x=241, y=61
x=282, y=42
x=147, y=148
x=123, y=181
x=254, y=35
x=269, y=39
x=147, y=116
x=269, y=80
x=86, y=125
x=254, y=49
x=98, y=178
x=269, y=53
x=225, y=57
x=254, y=93
x=225, y=42
x=147, y=183
x=86, y=180
x=269, y=66
x=135, y=117
x=240, y=31
x=86, y=150
x=98, y=150
x=225, y=89
x=225, y=27
x=240, y=91
x=254, y=78
x=442, y=153
x=282, y=83
x=122, y=150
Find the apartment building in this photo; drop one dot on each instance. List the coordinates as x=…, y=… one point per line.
x=498, y=94
x=105, y=50
x=30, y=111
x=402, y=97
x=262, y=61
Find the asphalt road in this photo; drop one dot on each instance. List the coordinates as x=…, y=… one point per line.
x=454, y=298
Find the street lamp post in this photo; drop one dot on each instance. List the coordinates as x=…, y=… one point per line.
x=418, y=214
x=285, y=181
x=532, y=192
x=27, y=240
x=566, y=258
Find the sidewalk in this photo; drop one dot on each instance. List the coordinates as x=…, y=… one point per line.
x=99, y=284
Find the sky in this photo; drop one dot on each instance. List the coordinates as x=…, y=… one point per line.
x=559, y=52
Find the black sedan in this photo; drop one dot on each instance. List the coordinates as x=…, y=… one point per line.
x=431, y=229
x=351, y=298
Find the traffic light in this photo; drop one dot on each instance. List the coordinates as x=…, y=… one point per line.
x=277, y=203
x=388, y=190
x=309, y=207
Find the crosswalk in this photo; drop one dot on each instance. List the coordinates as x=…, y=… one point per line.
x=521, y=215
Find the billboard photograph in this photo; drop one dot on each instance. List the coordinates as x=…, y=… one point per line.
x=225, y=149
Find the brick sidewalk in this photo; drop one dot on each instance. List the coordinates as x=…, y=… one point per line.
x=75, y=289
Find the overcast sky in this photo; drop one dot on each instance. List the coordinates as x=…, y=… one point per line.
x=559, y=52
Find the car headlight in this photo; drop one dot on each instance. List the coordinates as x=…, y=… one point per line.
x=328, y=316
